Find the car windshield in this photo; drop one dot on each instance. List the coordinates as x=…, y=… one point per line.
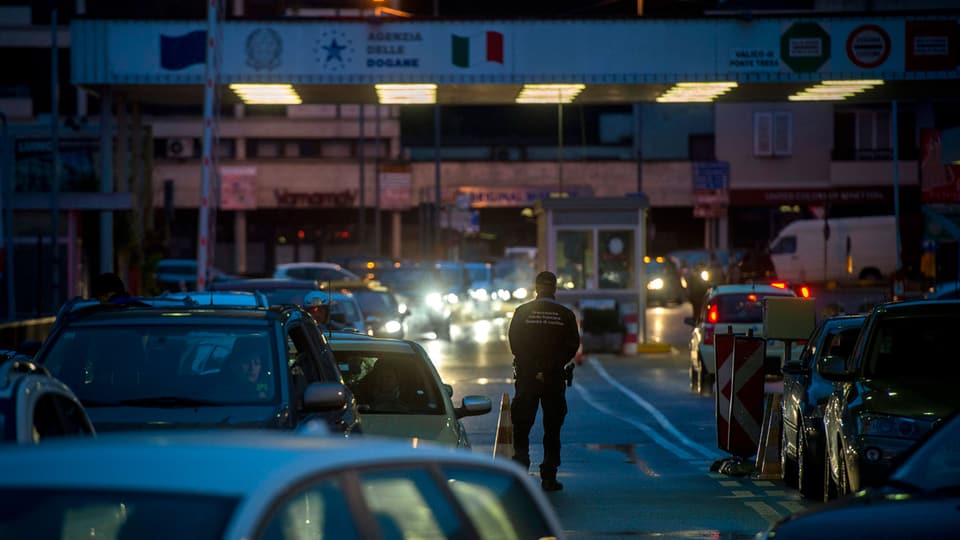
x=404, y=279
x=389, y=382
x=935, y=465
x=54, y=513
x=373, y=302
x=285, y=296
x=166, y=365
x=740, y=307
x=320, y=273
x=912, y=347
x=348, y=307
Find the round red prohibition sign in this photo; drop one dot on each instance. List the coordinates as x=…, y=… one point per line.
x=868, y=46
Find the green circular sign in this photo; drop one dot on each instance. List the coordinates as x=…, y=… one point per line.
x=805, y=47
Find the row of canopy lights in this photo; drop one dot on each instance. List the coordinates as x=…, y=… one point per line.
x=682, y=92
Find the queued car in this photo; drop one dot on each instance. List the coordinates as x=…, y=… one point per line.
x=918, y=499
x=805, y=395
x=296, y=292
x=664, y=284
x=213, y=297
x=181, y=275
x=400, y=393
x=892, y=389
x=255, y=485
x=426, y=308
x=740, y=308
x=316, y=271
x=382, y=312
x=159, y=363
x=35, y=407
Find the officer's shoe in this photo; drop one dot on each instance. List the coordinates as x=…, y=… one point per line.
x=550, y=484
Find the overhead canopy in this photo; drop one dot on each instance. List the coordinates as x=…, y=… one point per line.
x=488, y=62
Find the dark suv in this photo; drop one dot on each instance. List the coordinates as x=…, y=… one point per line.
x=894, y=387
x=159, y=364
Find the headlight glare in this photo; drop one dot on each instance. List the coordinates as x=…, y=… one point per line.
x=655, y=284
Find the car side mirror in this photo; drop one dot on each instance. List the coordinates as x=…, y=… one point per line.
x=795, y=368
x=448, y=389
x=324, y=396
x=689, y=321
x=474, y=406
x=834, y=368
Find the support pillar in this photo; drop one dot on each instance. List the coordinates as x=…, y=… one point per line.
x=240, y=240
x=396, y=229
x=106, y=177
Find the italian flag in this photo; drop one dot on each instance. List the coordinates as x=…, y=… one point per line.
x=469, y=50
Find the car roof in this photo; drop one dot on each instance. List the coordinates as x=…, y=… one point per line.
x=121, y=313
x=263, y=283
x=227, y=462
x=310, y=265
x=350, y=341
x=911, y=307
x=748, y=288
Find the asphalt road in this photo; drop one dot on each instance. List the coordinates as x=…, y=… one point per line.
x=638, y=444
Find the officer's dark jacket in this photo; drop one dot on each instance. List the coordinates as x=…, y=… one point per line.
x=544, y=336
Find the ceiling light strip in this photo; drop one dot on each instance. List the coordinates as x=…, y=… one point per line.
x=406, y=94
x=266, y=94
x=836, y=90
x=696, y=92
x=549, y=93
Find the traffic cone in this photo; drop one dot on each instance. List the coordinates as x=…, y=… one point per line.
x=503, y=446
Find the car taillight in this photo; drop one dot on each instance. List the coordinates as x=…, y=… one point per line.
x=804, y=291
x=713, y=314
x=708, y=334
x=779, y=284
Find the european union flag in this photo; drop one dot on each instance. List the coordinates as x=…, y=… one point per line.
x=178, y=52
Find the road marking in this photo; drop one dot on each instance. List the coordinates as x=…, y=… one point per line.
x=649, y=431
x=730, y=483
x=740, y=494
x=776, y=493
x=765, y=510
x=763, y=483
x=657, y=415
x=791, y=506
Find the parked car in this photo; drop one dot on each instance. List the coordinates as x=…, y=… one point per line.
x=36, y=407
x=317, y=271
x=805, y=394
x=400, y=393
x=212, y=297
x=918, y=499
x=181, y=275
x=166, y=365
x=855, y=248
x=264, y=486
x=891, y=390
x=739, y=307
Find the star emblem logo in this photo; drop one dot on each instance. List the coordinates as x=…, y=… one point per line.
x=333, y=50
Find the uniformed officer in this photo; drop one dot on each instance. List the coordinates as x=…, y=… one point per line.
x=544, y=338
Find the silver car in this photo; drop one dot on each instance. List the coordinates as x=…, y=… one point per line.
x=234, y=485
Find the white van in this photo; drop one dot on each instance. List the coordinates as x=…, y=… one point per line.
x=857, y=248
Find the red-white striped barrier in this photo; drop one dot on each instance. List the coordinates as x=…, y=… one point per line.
x=631, y=322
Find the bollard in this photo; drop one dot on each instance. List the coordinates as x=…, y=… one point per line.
x=631, y=322
x=503, y=445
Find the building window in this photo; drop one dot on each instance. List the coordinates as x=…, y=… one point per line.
x=773, y=133
x=575, y=259
x=873, y=139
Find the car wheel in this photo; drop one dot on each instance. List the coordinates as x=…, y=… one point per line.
x=789, y=470
x=811, y=464
x=704, y=380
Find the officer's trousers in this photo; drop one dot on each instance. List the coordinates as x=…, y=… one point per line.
x=530, y=394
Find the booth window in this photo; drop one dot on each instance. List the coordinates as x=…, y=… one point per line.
x=575, y=265
x=616, y=259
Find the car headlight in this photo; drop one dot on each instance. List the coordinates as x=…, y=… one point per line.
x=402, y=308
x=704, y=275
x=452, y=298
x=520, y=293
x=655, y=284
x=882, y=425
x=392, y=327
x=683, y=282
x=503, y=294
x=435, y=301
x=480, y=294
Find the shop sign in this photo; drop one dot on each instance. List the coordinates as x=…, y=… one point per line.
x=314, y=199
x=238, y=188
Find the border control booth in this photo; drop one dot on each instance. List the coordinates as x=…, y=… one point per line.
x=596, y=246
